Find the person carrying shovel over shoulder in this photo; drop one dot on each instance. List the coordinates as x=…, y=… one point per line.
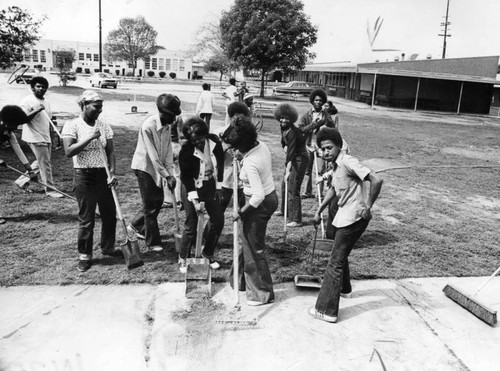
x=152, y=163
x=201, y=162
x=349, y=179
x=93, y=187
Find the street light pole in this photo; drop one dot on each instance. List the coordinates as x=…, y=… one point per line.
x=445, y=24
x=100, y=38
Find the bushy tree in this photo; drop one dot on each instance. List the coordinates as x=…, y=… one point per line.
x=64, y=61
x=266, y=35
x=133, y=39
x=18, y=32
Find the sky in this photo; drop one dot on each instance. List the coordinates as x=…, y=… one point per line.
x=410, y=26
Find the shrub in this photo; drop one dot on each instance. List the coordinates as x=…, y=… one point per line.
x=151, y=73
x=162, y=74
x=172, y=75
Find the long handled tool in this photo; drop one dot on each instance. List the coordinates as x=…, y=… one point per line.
x=318, y=191
x=177, y=234
x=11, y=80
x=198, y=273
x=130, y=247
x=2, y=163
x=285, y=212
x=470, y=303
x=308, y=281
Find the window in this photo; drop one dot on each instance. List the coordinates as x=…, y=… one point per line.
x=181, y=64
x=175, y=66
x=35, y=55
x=81, y=56
x=168, y=66
x=96, y=57
x=27, y=55
x=43, y=59
x=161, y=64
x=147, y=62
x=89, y=56
x=154, y=63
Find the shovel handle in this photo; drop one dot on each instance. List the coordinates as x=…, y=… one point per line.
x=235, y=231
x=318, y=190
x=176, y=212
x=285, y=210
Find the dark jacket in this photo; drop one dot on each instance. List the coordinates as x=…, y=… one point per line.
x=191, y=167
x=295, y=141
x=310, y=127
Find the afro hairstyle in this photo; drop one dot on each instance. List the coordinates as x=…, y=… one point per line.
x=237, y=108
x=286, y=110
x=327, y=133
x=39, y=80
x=317, y=93
x=243, y=135
x=194, y=125
x=12, y=116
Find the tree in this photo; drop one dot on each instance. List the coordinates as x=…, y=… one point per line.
x=266, y=35
x=64, y=61
x=18, y=32
x=208, y=48
x=133, y=39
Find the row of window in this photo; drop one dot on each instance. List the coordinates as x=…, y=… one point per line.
x=88, y=57
x=33, y=56
x=162, y=64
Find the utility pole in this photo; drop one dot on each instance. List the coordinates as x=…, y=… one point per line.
x=445, y=24
x=100, y=38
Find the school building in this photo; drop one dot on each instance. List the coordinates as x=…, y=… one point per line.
x=461, y=85
x=41, y=56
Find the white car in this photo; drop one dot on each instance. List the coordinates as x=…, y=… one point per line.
x=102, y=80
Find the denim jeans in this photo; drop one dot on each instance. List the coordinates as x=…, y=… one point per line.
x=255, y=277
x=206, y=117
x=205, y=194
x=91, y=190
x=337, y=276
x=43, y=153
x=146, y=220
x=311, y=173
x=297, y=171
x=332, y=211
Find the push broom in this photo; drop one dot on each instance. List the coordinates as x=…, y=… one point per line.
x=470, y=303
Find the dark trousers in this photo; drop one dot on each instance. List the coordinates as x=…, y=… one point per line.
x=146, y=221
x=92, y=189
x=255, y=277
x=337, y=275
x=308, y=174
x=332, y=211
x=227, y=193
x=205, y=194
x=207, y=117
x=299, y=165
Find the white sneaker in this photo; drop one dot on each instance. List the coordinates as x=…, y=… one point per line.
x=156, y=248
x=346, y=295
x=182, y=265
x=213, y=263
x=322, y=316
x=54, y=194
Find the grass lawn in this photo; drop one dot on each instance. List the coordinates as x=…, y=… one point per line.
x=438, y=218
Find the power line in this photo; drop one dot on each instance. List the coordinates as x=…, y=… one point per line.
x=445, y=24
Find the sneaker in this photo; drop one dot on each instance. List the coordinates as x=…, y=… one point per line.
x=347, y=295
x=167, y=205
x=84, y=265
x=255, y=303
x=182, y=265
x=117, y=253
x=294, y=225
x=132, y=230
x=54, y=194
x=213, y=263
x=156, y=248
x=321, y=316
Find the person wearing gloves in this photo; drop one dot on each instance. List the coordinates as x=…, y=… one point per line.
x=261, y=201
x=349, y=180
x=296, y=158
x=80, y=140
x=205, y=104
x=201, y=162
x=36, y=132
x=152, y=163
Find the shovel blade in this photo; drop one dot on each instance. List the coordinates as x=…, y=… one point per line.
x=131, y=252
x=306, y=281
x=198, y=278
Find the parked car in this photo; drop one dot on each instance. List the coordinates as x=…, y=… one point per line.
x=102, y=80
x=27, y=76
x=295, y=87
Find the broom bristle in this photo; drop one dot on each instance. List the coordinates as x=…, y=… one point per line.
x=481, y=311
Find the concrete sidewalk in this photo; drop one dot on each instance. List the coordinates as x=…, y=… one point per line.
x=397, y=324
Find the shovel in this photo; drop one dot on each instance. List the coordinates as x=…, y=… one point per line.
x=198, y=273
x=2, y=163
x=130, y=248
x=307, y=281
x=177, y=234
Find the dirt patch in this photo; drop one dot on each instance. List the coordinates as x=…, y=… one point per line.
x=486, y=154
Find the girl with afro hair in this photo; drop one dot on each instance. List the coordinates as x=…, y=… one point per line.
x=296, y=160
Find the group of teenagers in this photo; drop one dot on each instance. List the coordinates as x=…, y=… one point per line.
x=202, y=172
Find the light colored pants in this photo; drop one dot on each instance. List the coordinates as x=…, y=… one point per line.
x=42, y=152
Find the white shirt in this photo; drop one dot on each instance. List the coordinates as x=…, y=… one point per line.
x=91, y=156
x=38, y=129
x=205, y=102
x=230, y=94
x=257, y=174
